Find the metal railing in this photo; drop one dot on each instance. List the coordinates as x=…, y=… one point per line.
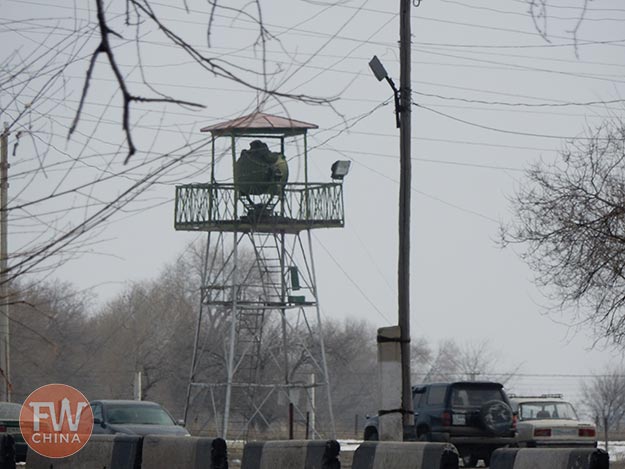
x=220, y=207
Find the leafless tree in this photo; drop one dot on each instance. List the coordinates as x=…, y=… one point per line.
x=467, y=361
x=139, y=331
x=443, y=364
x=50, y=337
x=604, y=395
x=352, y=365
x=479, y=361
x=569, y=217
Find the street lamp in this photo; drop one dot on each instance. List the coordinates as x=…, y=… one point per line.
x=381, y=74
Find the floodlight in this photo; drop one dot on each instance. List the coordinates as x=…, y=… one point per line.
x=340, y=169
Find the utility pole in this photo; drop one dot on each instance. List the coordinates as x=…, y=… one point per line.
x=5, y=394
x=405, y=109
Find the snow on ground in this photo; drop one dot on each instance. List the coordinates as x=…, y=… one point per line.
x=616, y=449
x=349, y=445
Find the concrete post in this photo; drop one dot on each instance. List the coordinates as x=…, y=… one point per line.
x=390, y=426
x=136, y=387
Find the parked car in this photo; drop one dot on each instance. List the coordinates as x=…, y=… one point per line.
x=133, y=418
x=549, y=420
x=475, y=416
x=10, y=424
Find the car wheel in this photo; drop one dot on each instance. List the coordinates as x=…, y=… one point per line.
x=496, y=417
x=371, y=434
x=469, y=460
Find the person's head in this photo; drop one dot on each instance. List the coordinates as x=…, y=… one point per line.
x=258, y=145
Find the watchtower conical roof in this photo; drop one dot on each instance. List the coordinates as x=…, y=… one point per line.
x=260, y=123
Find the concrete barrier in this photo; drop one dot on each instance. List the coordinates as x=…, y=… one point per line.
x=291, y=454
x=409, y=455
x=549, y=458
x=100, y=452
x=7, y=452
x=183, y=452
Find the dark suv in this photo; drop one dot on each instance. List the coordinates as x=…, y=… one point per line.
x=475, y=416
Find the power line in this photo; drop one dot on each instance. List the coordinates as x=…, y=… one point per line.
x=569, y=7
x=525, y=14
x=505, y=131
x=97, y=118
x=459, y=142
x=528, y=68
x=553, y=71
x=615, y=43
x=316, y=33
x=429, y=160
x=352, y=281
x=553, y=103
x=425, y=194
x=378, y=11
x=497, y=93
x=522, y=104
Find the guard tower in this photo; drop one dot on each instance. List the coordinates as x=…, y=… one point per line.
x=259, y=291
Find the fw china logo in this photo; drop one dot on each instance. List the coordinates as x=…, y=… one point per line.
x=56, y=420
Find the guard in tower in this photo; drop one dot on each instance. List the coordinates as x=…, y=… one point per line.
x=259, y=171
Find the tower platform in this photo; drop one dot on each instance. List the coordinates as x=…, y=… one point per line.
x=217, y=207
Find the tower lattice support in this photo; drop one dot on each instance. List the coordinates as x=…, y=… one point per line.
x=260, y=290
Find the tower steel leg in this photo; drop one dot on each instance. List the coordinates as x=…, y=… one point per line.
x=197, y=329
x=233, y=330
x=324, y=362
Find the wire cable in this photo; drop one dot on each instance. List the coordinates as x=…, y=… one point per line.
x=505, y=131
x=352, y=281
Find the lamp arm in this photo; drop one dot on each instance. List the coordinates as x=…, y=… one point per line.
x=398, y=108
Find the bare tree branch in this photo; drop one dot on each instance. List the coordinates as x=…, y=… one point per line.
x=105, y=48
x=570, y=218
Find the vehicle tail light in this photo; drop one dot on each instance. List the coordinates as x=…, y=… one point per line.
x=3, y=429
x=446, y=419
x=587, y=432
x=515, y=419
x=542, y=432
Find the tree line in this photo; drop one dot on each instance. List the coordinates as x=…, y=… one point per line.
x=58, y=334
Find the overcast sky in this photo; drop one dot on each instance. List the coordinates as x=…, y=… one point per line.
x=493, y=92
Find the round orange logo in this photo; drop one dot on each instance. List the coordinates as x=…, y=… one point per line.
x=56, y=420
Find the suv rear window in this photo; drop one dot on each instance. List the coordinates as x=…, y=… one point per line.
x=474, y=396
x=436, y=395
